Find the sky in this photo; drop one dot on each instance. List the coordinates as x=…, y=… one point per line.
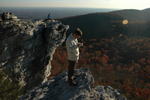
x=121, y=4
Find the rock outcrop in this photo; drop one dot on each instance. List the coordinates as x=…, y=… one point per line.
x=26, y=51
x=8, y=16
x=27, y=48
x=58, y=89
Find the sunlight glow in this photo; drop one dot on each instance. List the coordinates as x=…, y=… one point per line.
x=125, y=22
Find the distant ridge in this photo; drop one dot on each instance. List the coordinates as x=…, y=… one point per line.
x=56, y=12
x=97, y=25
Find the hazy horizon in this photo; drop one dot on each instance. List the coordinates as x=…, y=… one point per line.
x=110, y=4
x=56, y=12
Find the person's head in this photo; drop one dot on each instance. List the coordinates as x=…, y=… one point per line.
x=77, y=34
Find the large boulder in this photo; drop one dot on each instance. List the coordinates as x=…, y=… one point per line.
x=27, y=48
x=8, y=16
x=59, y=89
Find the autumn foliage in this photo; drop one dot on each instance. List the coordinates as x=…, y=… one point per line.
x=122, y=62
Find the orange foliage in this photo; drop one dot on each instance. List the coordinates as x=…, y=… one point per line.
x=123, y=64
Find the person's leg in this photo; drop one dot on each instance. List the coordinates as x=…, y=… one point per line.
x=71, y=67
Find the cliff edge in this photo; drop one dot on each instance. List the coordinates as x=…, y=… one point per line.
x=59, y=89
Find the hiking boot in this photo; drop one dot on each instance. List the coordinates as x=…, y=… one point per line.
x=72, y=82
x=74, y=77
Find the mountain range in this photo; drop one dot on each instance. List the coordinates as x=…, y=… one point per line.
x=97, y=25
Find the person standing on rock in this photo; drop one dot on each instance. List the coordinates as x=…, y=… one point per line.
x=72, y=46
x=49, y=16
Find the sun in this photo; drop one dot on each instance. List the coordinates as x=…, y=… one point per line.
x=125, y=22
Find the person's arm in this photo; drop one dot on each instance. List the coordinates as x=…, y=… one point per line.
x=72, y=45
x=80, y=44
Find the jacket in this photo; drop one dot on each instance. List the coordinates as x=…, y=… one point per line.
x=72, y=48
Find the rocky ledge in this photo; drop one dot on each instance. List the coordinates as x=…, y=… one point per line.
x=59, y=89
x=27, y=48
